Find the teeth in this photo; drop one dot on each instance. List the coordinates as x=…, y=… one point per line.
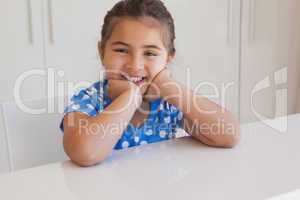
x=133, y=79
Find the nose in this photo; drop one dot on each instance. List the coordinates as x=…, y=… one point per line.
x=135, y=63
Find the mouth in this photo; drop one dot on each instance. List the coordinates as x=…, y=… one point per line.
x=135, y=79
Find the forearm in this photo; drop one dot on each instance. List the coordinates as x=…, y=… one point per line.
x=203, y=119
x=94, y=137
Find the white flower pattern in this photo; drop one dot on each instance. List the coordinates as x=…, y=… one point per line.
x=162, y=133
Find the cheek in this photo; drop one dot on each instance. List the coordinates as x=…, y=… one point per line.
x=155, y=67
x=113, y=66
x=113, y=63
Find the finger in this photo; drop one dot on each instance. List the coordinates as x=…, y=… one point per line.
x=143, y=87
x=158, y=74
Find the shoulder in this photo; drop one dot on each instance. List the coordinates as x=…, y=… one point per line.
x=88, y=100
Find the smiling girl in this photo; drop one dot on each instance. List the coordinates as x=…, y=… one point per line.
x=139, y=102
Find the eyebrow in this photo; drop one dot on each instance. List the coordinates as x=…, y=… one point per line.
x=144, y=46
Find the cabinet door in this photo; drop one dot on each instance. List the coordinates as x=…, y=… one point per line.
x=21, y=48
x=4, y=159
x=270, y=42
x=72, y=31
x=290, y=12
x=207, y=45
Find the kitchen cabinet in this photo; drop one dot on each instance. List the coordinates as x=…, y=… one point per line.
x=208, y=35
x=21, y=48
x=269, y=58
x=72, y=31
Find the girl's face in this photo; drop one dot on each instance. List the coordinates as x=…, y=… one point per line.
x=135, y=51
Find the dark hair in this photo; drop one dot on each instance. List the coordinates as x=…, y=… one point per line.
x=139, y=9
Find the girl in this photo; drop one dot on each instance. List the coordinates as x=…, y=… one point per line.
x=139, y=102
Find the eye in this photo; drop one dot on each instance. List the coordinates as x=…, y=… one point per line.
x=150, y=54
x=121, y=50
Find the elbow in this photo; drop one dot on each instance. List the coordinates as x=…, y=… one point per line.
x=227, y=142
x=231, y=139
x=231, y=142
x=82, y=155
x=231, y=134
x=225, y=139
x=85, y=160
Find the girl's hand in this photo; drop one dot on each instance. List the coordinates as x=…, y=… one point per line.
x=162, y=77
x=116, y=87
x=153, y=91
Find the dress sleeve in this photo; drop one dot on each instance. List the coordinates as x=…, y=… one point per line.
x=171, y=116
x=176, y=117
x=87, y=101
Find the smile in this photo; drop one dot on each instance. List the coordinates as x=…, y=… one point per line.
x=135, y=79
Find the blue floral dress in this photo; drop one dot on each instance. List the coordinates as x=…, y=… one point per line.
x=161, y=124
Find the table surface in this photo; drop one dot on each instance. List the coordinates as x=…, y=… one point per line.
x=266, y=163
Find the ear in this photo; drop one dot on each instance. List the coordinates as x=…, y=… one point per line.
x=170, y=58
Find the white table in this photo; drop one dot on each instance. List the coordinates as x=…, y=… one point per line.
x=265, y=164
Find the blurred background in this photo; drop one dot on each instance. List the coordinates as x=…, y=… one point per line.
x=243, y=54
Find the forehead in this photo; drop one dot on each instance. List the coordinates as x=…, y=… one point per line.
x=138, y=32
